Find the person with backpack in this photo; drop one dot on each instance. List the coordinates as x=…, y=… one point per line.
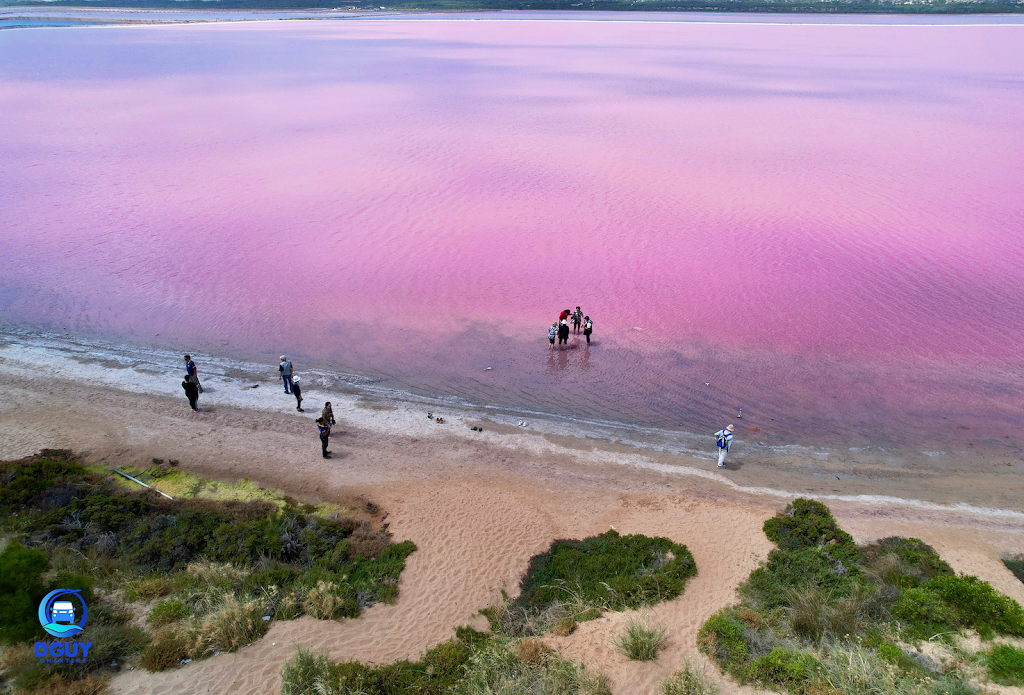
x=588, y=328
x=563, y=333
x=191, y=393
x=325, y=434
x=193, y=373
x=285, y=369
x=723, y=438
x=297, y=392
x=553, y=333
x=577, y=319
x=328, y=413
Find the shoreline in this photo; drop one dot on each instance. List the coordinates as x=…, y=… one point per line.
x=478, y=507
x=34, y=361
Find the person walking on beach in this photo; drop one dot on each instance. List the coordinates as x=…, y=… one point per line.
x=553, y=333
x=285, y=368
x=192, y=372
x=563, y=333
x=327, y=414
x=723, y=438
x=588, y=328
x=297, y=390
x=325, y=434
x=577, y=319
x=191, y=392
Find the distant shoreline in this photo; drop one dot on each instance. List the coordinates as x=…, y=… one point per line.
x=901, y=8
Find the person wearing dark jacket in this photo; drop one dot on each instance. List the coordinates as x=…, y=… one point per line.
x=325, y=434
x=328, y=413
x=191, y=392
x=588, y=328
x=297, y=391
x=563, y=333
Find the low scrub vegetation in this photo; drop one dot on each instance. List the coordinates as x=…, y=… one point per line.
x=577, y=580
x=641, y=640
x=472, y=663
x=689, y=680
x=1005, y=664
x=216, y=572
x=823, y=615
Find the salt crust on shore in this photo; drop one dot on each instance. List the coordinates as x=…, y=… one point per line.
x=478, y=507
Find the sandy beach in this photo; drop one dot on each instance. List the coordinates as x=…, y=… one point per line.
x=479, y=505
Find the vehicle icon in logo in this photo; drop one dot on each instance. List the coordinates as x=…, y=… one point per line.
x=57, y=616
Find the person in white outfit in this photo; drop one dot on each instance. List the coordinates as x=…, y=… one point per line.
x=724, y=441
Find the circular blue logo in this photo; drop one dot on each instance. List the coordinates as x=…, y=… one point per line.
x=57, y=613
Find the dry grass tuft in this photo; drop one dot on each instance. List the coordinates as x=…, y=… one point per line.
x=90, y=685
x=532, y=651
x=565, y=626
x=367, y=543
x=750, y=617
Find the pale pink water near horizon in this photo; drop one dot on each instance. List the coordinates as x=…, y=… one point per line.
x=823, y=222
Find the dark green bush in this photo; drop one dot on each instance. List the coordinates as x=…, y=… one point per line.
x=722, y=638
x=783, y=669
x=769, y=584
x=809, y=524
x=978, y=606
x=1016, y=565
x=21, y=590
x=609, y=570
x=918, y=556
x=924, y=614
x=1005, y=664
x=22, y=482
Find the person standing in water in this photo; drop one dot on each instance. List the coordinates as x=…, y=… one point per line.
x=577, y=319
x=297, y=391
x=553, y=333
x=564, y=316
x=327, y=414
x=191, y=393
x=563, y=333
x=193, y=373
x=285, y=368
x=325, y=434
x=723, y=439
x=588, y=328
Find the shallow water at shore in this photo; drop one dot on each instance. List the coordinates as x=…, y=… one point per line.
x=814, y=224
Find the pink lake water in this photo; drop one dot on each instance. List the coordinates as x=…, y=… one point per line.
x=820, y=223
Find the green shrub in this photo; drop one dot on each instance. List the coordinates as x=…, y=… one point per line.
x=608, y=571
x=1005, y=664
x=924, y=614
x=21, y=590
x=498, y=669
x=722, y=638
x=1016, y=565
x=809, y=524
x=853, y=670
x=641, y=641
x=689, y=680
x=769, y=585
x=978, y=606
x=168, y=650
x=27, y=481
x=783, y=669
x=168, y=611
x=919, y=560
x=437, y=673
x=889, y=652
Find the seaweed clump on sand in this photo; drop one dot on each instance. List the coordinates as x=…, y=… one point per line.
x=211, y=575
x=824, y=615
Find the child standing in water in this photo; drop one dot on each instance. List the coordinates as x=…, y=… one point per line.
x=588, y=328
x=577, y=319
x=553, y=333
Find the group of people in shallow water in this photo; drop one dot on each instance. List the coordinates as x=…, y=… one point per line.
x=292, y=386
x=560, y=328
